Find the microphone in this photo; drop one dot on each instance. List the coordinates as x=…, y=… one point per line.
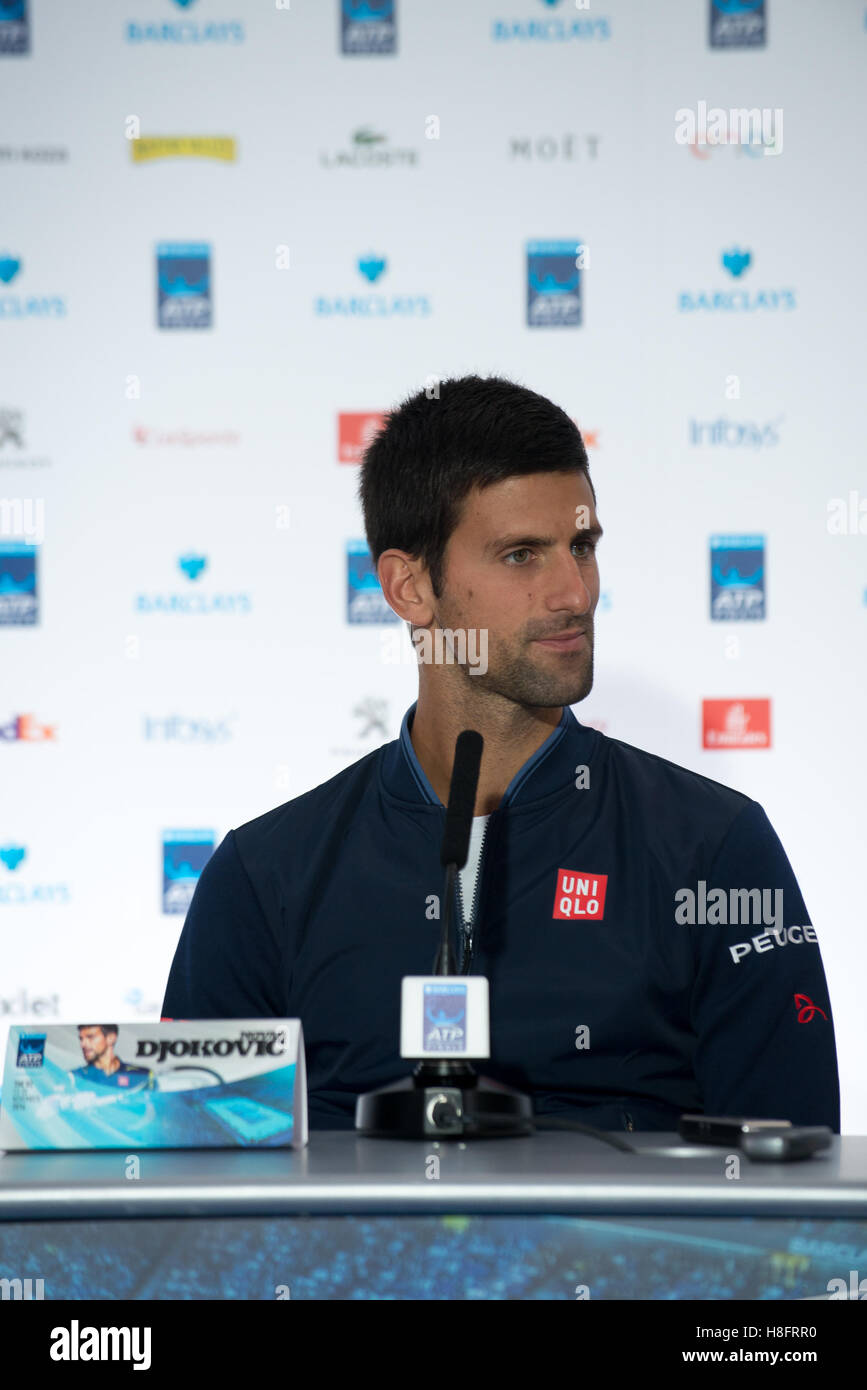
x=456, y=836
x=447, y=1013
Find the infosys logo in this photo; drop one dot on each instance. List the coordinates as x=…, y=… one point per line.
x=180, y=728
x=735, y=434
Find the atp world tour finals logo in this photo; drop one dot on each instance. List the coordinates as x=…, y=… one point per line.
x=368, y=26
x=445, y=1015
x=184, y=285
x=19, y=595
x=14, y=27
x=738, y=24
x=31, y=1051
x=185, y=854
x=365, y=601
x=737, y=578
x=554, y=291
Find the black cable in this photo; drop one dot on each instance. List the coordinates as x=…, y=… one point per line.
x=541, y=1122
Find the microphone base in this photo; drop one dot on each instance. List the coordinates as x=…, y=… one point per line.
x=444, y=1100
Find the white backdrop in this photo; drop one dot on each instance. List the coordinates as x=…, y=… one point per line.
x=365, y=218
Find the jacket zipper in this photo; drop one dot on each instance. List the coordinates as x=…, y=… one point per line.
x=467, y=926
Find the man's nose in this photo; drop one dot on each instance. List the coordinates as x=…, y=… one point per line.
x=569, y=588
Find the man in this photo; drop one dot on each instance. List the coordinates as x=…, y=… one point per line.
x=102, y=1067
x=645, y=939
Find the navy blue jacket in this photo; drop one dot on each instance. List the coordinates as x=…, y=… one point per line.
x=605, y=1003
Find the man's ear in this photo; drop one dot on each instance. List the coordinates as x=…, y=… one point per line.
x=405, y=586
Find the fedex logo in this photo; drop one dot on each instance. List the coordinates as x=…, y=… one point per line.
x=26, y=728
x=580, y=895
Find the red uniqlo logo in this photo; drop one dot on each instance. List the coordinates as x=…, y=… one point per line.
x=355, y=430
x=580, y=895
x=736, y=723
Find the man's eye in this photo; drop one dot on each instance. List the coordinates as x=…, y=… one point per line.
x=591, y=545
x=523, y=550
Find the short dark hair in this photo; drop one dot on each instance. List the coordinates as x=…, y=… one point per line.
x=437, y=445
x=106, y=1027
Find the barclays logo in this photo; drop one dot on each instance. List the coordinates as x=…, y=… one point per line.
x=185, y=31
x=737, y=262
x=193, y=566
x=16, y=306
x=559, y=29
x=21, y=892
x=372, y=266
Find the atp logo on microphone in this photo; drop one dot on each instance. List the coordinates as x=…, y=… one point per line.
x=580, y=896
x=445, y=1017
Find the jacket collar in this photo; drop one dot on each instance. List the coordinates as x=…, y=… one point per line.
x=549, y=770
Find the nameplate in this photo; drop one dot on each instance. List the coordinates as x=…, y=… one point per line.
x=217, y=1083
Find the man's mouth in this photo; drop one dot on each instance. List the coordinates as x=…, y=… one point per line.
x=572, y=641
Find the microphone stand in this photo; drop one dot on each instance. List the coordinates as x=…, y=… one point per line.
x=444, y=1097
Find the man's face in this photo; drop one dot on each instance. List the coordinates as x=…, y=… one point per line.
x=94, y=1043
x=515, y=566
